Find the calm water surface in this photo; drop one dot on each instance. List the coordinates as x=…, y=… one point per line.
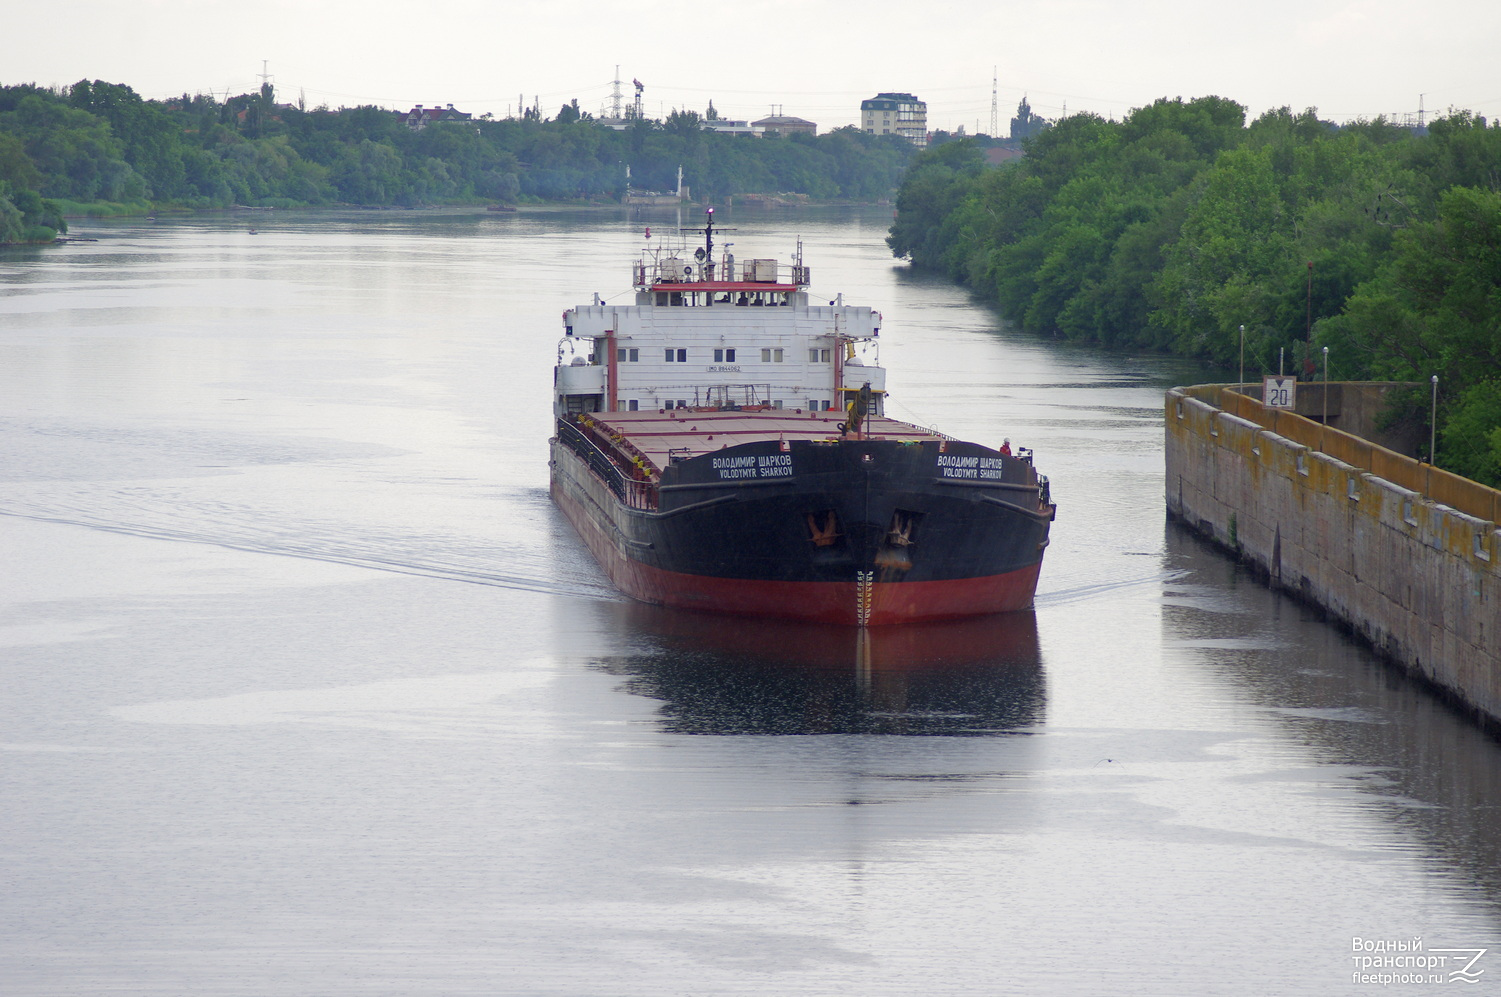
x=308, y=689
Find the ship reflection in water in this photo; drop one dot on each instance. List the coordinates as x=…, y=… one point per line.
x=729, y=675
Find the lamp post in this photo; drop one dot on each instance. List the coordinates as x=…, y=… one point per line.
x=1433, y=425
x=1326, y=385
x=1242, y=358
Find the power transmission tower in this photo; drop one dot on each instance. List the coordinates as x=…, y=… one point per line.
x=615, y=96
x=995, y=116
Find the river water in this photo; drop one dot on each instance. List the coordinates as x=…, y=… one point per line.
x=308, y=689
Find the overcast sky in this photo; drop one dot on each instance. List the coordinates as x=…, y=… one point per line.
x=814, y=59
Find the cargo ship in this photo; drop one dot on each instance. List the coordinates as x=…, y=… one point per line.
x=722, y=444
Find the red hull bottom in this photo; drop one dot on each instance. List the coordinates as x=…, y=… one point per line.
x=851, y=603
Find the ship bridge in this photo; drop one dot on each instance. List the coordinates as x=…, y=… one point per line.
x=732, y=335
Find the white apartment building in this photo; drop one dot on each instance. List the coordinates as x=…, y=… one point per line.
x=896, y=114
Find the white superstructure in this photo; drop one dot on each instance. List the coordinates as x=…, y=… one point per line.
x=711, y=335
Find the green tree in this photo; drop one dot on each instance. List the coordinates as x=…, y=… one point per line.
x=27, y=217
x=16, y=168
x=73, y=150
x=937, y=182
x=1471, y=434
x=149, y=138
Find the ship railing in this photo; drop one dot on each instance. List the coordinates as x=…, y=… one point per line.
x=634, y=493
x=735, y=396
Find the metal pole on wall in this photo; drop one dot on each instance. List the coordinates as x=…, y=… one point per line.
x=1242, y=358
x=1433, y=424
x=1326, y=385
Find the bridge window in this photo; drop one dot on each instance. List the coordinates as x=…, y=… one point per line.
x=817, y=355
x=625, y=355
x=772, y=355
x=725, y=356
x=678, y=356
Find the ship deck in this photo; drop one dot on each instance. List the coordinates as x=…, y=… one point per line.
x=691, y=433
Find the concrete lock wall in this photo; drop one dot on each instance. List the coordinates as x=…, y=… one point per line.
x=1417, y=578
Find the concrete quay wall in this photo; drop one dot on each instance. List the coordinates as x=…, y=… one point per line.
x=1417, y=578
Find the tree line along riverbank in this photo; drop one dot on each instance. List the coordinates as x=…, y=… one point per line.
x=1183, y=228
x=99, y=148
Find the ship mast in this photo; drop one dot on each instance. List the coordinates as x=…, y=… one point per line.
x=705, y=256
x=708, y=268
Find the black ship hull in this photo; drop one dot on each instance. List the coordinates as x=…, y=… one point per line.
x=849, y=531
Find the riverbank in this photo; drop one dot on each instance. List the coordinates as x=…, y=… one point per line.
x=110, y=209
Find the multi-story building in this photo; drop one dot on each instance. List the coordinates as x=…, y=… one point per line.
x=896, y=114
x=786, y=124
x=420, y=117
